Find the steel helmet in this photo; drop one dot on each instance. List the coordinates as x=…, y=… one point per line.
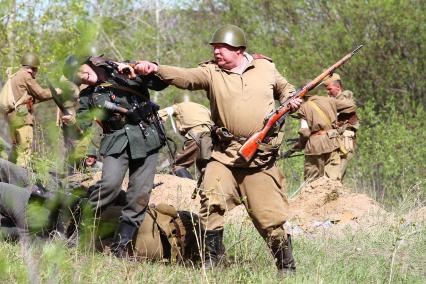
x=30, y=59
x=230, y=35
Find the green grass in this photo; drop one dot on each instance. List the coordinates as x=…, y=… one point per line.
x=389, y=253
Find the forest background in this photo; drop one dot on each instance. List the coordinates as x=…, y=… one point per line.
x=303, y=38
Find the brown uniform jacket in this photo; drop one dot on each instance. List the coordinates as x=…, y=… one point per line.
x=238, y=102
x=25, y=88
x=321, y=132
x=190, y=117
x=348, y=121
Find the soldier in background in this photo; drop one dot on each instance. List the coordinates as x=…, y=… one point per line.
x=319, y=136
x=26, y=92
x=193, y=121
x=348, y=123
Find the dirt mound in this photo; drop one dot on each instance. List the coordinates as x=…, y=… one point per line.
x=325, y=203
x=322, y=204
x=177, y=191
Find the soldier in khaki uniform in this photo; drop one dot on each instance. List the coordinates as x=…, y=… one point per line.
x=348, y=123
x=319, y=136
x=26, y=92
x=193, y=121
x=242, y=90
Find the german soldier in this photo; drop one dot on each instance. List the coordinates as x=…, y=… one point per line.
x=131, y=137
x=242, y=90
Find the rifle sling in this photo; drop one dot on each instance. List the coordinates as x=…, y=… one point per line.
x=321, y=113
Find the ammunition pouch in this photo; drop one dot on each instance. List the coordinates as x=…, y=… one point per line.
x=349, y=140
x=221, y=135
x=115, y=122
x=146, y=110
x=332, y=133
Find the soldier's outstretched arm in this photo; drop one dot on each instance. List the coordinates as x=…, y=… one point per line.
x=145, y=68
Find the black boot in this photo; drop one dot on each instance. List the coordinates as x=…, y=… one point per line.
x=183, y=172
x=123, y=244
x=283, y=254
x=213, y=248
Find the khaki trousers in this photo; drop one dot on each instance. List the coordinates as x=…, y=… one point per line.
x=262, y=192
x=328, y=164
x=23, y=137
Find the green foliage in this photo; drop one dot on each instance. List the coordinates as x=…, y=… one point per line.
x=390, y=159
x=390, y=253
x=303, y=38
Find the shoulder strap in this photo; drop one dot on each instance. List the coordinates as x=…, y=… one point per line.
x=122, y=88
x=261, y=56
x=320, y=112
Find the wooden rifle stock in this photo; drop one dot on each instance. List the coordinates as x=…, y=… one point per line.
x=249, y=148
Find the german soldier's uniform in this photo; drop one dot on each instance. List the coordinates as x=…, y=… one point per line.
x=34, y=210
x=26, y=92
x=239, y=104
x=193, y=121
x=320, y=137
x=131, y=140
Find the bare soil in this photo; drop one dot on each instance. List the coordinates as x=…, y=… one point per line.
x=323, y=205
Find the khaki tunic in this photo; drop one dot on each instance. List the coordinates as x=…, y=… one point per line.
x=319, y=141
x=350, y=128
x=25, y=88
x=322, y=147
x=194, y=122
x=239, y=102
x=191, y=118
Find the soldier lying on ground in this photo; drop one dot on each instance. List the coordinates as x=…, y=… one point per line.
x=165, y=233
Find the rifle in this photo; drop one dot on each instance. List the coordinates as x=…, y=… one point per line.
x=289, y=154
x=290, y=141
x=57, y=99
x=59, y=103
x=277, y=117
x=114, y=65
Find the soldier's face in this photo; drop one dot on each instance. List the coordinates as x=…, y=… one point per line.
x=86, y=75
x=226, y=56
x=333, y=90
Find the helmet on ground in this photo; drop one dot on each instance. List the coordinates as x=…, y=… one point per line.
x=230, y=35
x=30, y=59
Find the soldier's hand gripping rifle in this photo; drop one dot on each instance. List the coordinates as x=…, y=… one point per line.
x=251, y=145
x=59, y=101
x=126, y=70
